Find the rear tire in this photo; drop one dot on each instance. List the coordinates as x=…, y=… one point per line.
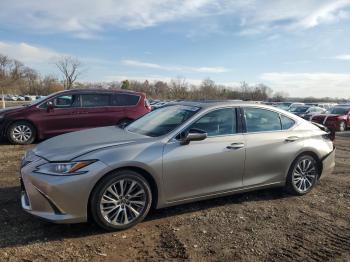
x=303, y=175
x=120, y=200
x=342, y=126
x=21, y=133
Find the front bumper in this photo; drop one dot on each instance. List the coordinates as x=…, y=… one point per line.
x=328, y=164
x=59, y=199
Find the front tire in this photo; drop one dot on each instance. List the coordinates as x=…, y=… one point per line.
x=303, y=175
x=121, y=200
x=21, y=133
x=124, y=122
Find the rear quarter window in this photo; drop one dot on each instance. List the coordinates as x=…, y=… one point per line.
x=125, y=100
x=286, y=122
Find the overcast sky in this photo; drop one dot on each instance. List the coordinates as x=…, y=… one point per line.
x=301, y=46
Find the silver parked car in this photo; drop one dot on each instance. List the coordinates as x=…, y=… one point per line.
x=177, y=154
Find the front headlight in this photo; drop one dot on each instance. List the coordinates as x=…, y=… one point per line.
x=60, y=168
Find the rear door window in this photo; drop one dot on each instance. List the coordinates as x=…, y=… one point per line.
x=125, y=100
x=261, y=120
x=95, y=100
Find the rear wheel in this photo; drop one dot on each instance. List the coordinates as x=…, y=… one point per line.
x=342, y=126
x=21, y=133
x=121, y=200
x=303, y=175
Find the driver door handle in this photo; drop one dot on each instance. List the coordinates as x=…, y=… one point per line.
x=292, y=138
x=234, y=146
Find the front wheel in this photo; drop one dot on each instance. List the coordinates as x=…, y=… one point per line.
x=121, y=200
x=124, y=122
x=303, y=175
x=21, y=133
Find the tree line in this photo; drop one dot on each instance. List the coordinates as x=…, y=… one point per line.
x=16, y=78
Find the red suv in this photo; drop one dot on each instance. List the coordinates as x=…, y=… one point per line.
x=69, y=111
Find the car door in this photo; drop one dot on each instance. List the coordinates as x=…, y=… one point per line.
x=211, y=166
x=96, y=110
x=271, y=145
x=60, y=118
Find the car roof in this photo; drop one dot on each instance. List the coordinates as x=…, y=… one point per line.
x=100, y=90
x=216, y=103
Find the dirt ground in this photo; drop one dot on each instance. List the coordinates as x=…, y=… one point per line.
x=267, y=225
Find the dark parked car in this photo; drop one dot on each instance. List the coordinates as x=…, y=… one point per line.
x=306, y=111
x=69, y=111
x=337, y=118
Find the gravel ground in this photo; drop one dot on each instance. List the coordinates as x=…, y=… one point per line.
x=267, y=225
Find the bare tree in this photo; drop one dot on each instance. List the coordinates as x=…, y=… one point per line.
x=4, y=63
x=178, y=88
x=70, y=68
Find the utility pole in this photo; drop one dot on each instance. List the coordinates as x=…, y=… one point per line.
x=3, y=100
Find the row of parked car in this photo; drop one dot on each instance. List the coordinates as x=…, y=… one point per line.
x=21, y=98
x=77, y=109
x=333, y=116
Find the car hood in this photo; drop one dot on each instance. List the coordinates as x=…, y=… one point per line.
x=12, y=109
x=71, y=145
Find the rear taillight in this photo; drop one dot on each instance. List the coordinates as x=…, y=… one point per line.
x=330, y=131
x=147, y=104
x=328, y=137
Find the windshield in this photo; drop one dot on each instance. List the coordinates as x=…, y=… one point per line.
x=162, y=121
x=299, y=109
x=338, y=110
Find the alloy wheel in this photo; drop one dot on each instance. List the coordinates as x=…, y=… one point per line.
x=123, y=202
x=304, y=175
x=22, y=133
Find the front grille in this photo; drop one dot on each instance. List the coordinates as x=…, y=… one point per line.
x=22, y=184
x=24, y=196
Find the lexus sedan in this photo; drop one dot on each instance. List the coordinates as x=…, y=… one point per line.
x=177, y=154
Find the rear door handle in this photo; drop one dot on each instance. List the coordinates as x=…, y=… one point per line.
x=235, y=146
x=292, y=138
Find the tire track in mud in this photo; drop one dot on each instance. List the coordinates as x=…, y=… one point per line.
x=170, y=245
x=314, y=242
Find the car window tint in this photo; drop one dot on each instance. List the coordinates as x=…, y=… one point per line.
x=66, y=101
x=95, y=100
x=286, y=122
x=218, y=122
x=259, y=120
x=125, y=100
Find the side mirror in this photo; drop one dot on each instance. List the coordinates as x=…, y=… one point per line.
x=193, y=136
x=49, y=106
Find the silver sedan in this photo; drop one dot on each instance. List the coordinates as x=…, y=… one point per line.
x=177, y=154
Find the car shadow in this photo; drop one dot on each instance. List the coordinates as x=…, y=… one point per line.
x=19, y=228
